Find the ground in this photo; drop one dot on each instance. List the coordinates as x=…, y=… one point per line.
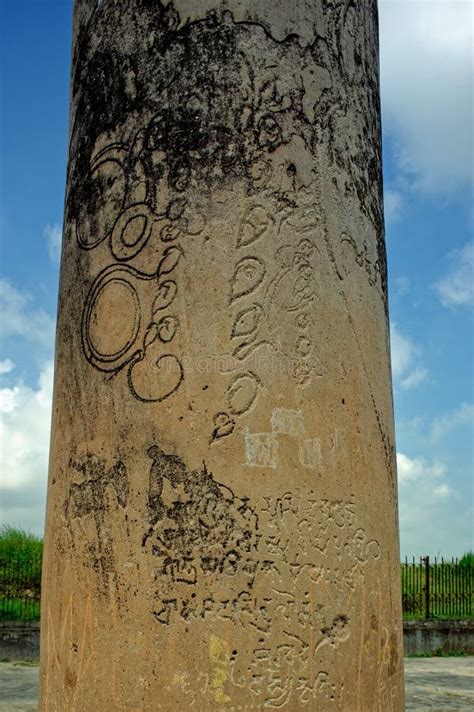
x=18, y=687
x=431, y=684
x=439, y=683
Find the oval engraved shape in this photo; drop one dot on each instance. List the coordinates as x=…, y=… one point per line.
x=134, y=230
x=131, y=231
x=242, y=393
x=169, y=232
x=248, y=275
x=223, y=425
x=170, y=259
x=165, y=295
x=153, y=379
x=113, y=320
x=167, y=328
x=255, y=223
x=104, y=190
x=246, y=321
x=304, y=346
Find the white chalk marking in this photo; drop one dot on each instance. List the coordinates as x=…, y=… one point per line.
x=261, y=450
x=289, y=422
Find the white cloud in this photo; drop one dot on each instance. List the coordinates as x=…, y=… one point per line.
x=403, y=351
x=442, y=491
x=7, y=399
x=406, y=370
x=21, y=318
x=414, y=378
x=426, y=83
x=53, y=235
x=432, y=517
x=25, y=411
x=6, y=366
x=457, y=288
x=25, y=419
x=418, y=470
x=445, y=424
x=393, y=203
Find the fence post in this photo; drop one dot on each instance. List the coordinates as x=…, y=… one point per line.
x=427, y=588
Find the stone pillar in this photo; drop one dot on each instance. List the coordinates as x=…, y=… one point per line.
x=222, y=517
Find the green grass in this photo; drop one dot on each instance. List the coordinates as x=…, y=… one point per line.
x=467, y=560
x=19, y=609
x=20, y=545
x=20, y=578
x=20, y=574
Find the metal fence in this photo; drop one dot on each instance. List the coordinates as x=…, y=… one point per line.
x=20, y=588
x=430, y=588
x=433, y=588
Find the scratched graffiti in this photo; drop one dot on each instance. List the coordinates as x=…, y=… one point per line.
x=308, y=559
x=146, y=147
x=198, y=529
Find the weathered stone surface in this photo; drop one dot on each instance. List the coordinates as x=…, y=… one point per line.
x=222, y=525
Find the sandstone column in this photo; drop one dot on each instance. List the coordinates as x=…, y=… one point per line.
x=222, y=517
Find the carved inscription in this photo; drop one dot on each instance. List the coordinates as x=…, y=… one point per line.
x=291, y=291
x=198, y=530
x=148, y=142
x=287, y=570
x=351, y=257
x=284, y=568
x=218, y=163
x=129, y=318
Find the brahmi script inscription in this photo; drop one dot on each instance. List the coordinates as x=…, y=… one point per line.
x=282, y=578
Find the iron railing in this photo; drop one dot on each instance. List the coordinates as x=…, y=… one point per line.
x=433, y=588
x=20, y=587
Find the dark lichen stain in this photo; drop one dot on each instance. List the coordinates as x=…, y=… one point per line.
x=198, y=527
x=338, y=624
x=206, y=99
x=89, y=498
x=189, y=79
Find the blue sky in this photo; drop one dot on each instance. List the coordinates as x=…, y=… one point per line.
x=427, y=79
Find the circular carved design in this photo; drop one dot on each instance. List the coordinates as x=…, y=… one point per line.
x=111, y=320
x=131, y=231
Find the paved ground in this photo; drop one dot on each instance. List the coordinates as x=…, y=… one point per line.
x=431, y=684
x=18, y=687
x=439, y=684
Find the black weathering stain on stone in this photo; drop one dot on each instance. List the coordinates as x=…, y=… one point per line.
x=91, y=498
x=206, y=95
x=197, y=526
x=189, y=79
